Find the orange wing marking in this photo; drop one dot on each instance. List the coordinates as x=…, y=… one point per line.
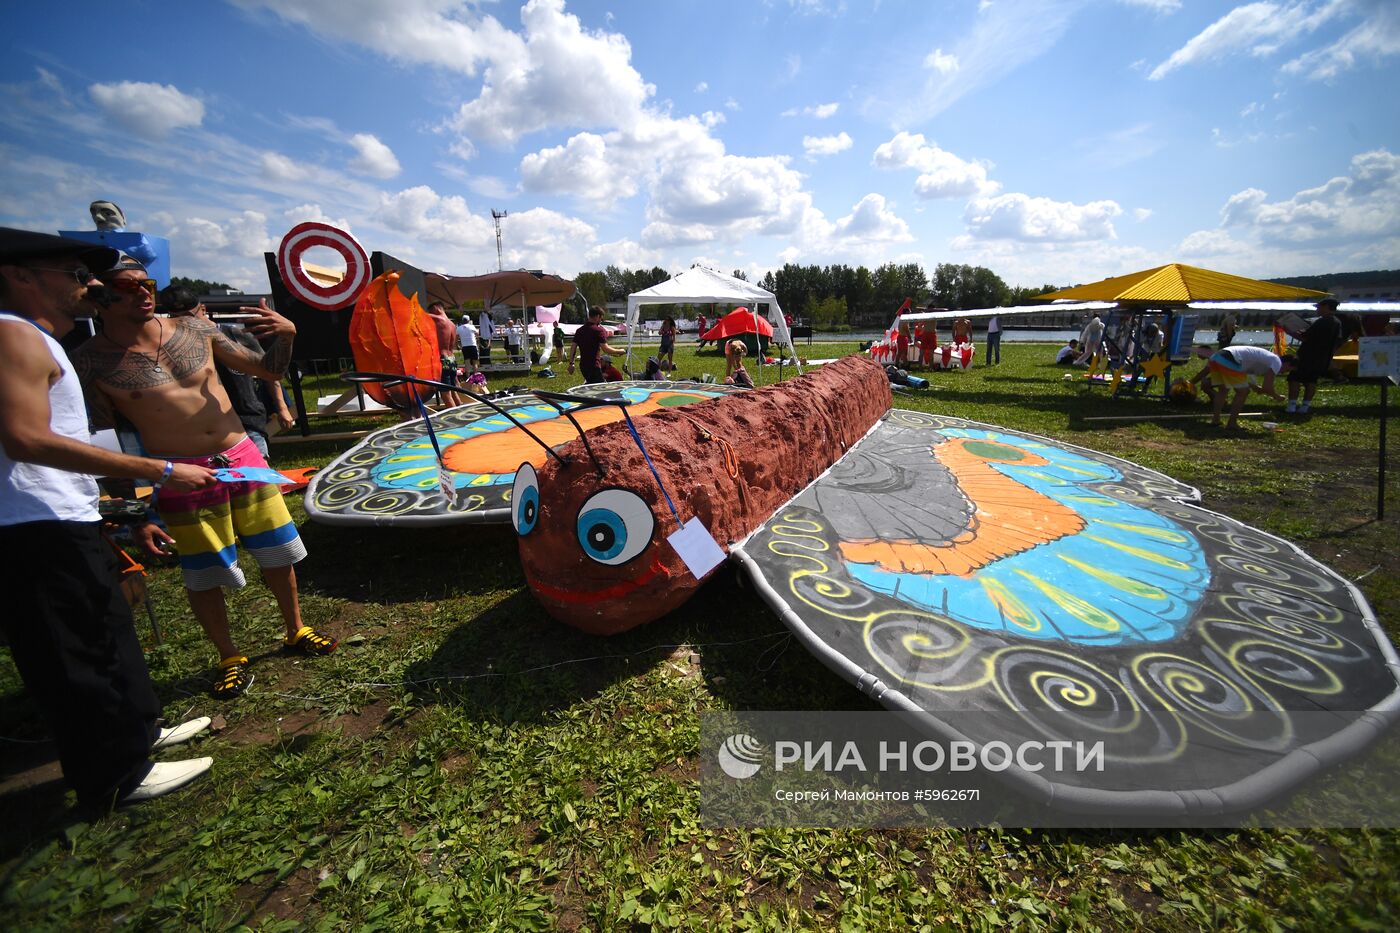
x=1008, y=517
x=504, y=451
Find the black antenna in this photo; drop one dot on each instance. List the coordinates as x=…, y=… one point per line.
x=389, y=380
x=582, y=401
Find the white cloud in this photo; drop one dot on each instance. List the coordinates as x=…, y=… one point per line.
x=702, y=87
x=819, y=111
x=625, y=254
x=1160, y=6
x=372, y=157
x=696, y=192
x=278, y=167
x=1210, y=244
x=426, y=215
x=941, y=62
x=1376, y=38
x=539, y=238
x=563, y=76
x=443, y=33
x=870, y=221
x=750, y=193
x=303, y=213
x=1141, y=213
x=663, y=235
x=1015, y=216
x=731, y=104
x=148, y=110
x=826, y=145
x=225, y=249
x=463, y=149
x=581, y=166
x=942, y=174
x=1362, y=205
x=1258, y=29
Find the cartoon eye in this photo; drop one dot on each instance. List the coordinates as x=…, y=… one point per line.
x=615, y=526
x=525, y=500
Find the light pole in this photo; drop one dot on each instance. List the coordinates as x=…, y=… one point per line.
x=496, y=216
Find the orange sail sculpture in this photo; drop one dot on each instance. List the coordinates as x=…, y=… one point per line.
x=391, y=333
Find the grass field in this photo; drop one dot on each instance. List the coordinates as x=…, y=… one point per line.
x=465, y=762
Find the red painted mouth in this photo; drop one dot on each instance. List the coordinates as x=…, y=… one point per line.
x=615, y=591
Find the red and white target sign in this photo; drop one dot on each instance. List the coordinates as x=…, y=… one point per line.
x=303, y=237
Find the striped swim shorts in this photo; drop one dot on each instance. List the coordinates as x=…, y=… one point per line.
x=208, y=524
x=1226, y=371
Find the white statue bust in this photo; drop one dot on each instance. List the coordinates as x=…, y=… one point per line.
x=107, y=216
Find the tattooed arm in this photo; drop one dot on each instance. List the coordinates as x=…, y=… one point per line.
x=271, y=363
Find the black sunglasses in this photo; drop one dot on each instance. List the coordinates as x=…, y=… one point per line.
x=82, y=274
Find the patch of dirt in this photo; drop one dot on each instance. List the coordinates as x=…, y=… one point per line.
x=456, y=763
x=1145, y=903
x=284, y=901
x=363, y=724
x=685, y=662
x=683, y=771
x=263, y=732
x=568, y=916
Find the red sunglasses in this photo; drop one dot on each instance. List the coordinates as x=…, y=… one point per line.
x=134, y=286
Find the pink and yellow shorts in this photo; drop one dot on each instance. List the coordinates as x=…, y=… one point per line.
x=1225, y=372
x=207, y=524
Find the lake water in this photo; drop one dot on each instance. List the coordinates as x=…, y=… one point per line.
x=1256, y=338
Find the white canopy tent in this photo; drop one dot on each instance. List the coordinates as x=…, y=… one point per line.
x=698, y=285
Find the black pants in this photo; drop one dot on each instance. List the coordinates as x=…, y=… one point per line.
x=591, y=374
x=71, y=636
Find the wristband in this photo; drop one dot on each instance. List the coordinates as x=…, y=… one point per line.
x=165, y=474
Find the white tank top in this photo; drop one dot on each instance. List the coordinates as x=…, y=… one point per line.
x=33, y=493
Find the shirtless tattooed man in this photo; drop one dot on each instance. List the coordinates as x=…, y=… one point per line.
x=159, y=375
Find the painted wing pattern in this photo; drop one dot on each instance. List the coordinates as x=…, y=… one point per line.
x=949, y=565
x=391, y=476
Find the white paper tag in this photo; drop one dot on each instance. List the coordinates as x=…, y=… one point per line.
x=697, y=547
x=447, y=486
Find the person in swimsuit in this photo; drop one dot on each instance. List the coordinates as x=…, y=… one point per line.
x=160, y=376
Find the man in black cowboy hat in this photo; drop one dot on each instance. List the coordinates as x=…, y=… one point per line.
x=68, y=624
x=1315, y=351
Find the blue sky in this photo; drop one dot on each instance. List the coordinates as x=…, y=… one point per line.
x=1051, y=140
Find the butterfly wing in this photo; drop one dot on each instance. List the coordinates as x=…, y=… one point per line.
x=1006, y=586
x=392, y=478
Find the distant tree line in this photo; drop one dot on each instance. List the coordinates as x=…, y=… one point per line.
x=199, y=286
x=838, y=296
x=1325, y=283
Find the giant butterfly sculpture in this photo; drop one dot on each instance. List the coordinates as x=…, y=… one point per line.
x=946, y=566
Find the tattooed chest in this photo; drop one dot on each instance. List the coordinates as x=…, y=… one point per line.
x=184, y=358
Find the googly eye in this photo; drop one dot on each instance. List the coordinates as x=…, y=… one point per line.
x=525, y=500
x=614, y=526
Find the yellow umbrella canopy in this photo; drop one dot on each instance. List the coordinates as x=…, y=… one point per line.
x=1177, y=284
